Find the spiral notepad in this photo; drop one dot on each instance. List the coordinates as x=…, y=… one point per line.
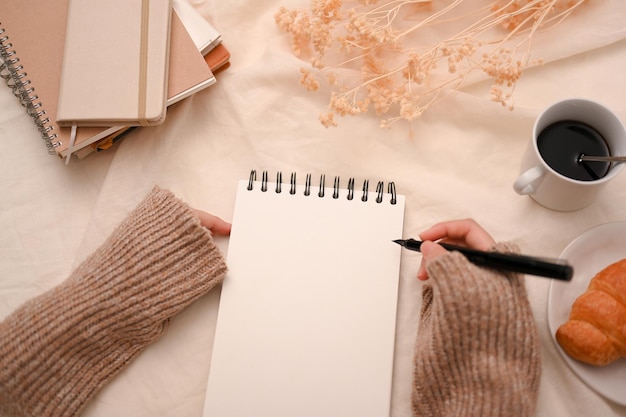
x=15, y=76
x=306, y=321
x=31, y=65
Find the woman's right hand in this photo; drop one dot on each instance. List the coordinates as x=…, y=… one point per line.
x=465, y=232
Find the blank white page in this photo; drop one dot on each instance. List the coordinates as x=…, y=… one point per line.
x=307, y=314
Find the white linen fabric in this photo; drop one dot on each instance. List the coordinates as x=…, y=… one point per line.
x=458, y=160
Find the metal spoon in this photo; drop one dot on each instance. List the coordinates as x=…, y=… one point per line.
x=584, y=158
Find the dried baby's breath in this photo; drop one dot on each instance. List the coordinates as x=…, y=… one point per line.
x=398, y=57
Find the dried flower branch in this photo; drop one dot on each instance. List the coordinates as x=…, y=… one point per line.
x=401, y=56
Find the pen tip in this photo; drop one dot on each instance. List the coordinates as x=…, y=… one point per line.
x=400, y=242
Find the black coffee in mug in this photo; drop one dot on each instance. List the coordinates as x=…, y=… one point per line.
x=562, y=143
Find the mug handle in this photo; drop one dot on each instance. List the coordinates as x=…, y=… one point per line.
x=528, y=182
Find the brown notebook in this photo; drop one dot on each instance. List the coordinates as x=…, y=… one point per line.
x=33, y=42
x=218, y=58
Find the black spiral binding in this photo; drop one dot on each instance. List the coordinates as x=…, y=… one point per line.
x=380, y=188
x=15, y=77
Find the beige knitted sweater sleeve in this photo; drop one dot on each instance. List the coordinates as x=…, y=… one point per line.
x=58, y=349
x=477, y=352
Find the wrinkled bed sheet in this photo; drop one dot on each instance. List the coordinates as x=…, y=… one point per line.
x=458, y=160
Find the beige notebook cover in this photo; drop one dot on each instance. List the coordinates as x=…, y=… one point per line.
x=24, y=22
x=115, y=63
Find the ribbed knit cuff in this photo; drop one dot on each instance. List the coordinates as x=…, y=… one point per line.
x=59, y=348
x=477, y=350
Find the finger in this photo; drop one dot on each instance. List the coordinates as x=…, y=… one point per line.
x=215, y=224
x=429, y=251
x=465, y=231
x=422, y=275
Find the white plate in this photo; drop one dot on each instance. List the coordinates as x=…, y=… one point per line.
x=588, y=254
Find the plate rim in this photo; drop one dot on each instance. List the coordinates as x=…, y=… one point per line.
x=574, y=366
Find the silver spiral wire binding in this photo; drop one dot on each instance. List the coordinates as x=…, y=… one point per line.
x=350, y=188
x=14, y=76
x=380, y=187
x=379, y=191
x=336, y=188
x=366, y=185
x=279, y=182
x=391, y=189
x=292, y=189
x=251, y=180
x=307, y=185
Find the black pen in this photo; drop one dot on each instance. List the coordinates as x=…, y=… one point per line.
x=506, y=261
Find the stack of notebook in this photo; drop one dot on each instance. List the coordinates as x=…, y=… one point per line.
x=89, y=72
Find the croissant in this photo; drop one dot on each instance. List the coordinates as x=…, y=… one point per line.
x=596, y=330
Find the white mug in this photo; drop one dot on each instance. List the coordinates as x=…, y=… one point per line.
x=552, y=189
